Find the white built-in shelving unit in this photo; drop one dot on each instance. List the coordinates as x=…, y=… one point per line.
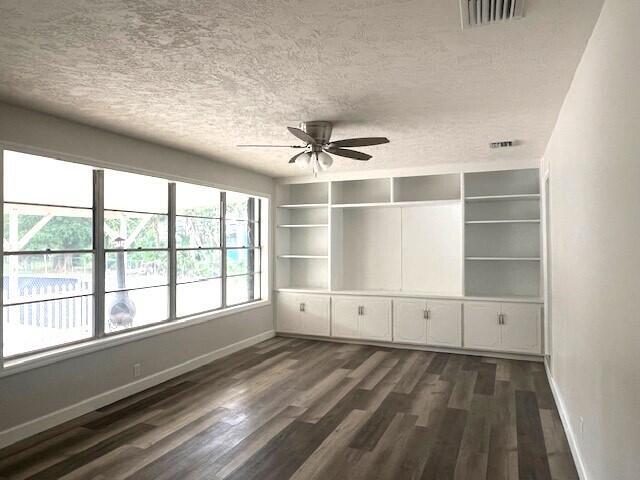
x=455, y=235
x=502, y=233
x=302, y=236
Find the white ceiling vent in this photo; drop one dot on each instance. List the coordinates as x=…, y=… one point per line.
x=475, y=13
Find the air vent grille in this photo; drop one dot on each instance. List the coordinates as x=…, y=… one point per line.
x=475, y=13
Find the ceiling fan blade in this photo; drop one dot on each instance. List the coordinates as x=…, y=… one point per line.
x=359, y=142
x=343, y=152
x=295, y=157
x=302, y=135
x=273, y=146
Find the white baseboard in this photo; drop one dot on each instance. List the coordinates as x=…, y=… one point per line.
x=564, y=417
x=32, y=427
x=424, y=348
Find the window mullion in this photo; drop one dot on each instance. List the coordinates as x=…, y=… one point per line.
x=173, y=274
x=2, y=255
x=98, y=252
x=251, y=259
x=223, y=243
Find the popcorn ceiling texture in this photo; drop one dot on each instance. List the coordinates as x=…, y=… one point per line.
x=203, y=76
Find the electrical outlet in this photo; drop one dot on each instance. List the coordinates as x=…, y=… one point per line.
x=581, y=427
x=137, y=370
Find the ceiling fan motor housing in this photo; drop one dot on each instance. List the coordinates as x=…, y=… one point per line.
x=318, y=129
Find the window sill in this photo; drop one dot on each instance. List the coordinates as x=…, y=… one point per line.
x=11, y=367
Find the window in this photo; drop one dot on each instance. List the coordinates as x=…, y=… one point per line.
x=198, y=249
x=242, y=248
x=89, y=252
x=136, y=240
x=47, y=284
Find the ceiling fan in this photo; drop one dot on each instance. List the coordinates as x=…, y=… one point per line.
x=318, y=145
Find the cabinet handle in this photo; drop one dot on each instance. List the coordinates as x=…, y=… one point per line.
x=427, y=313
x=302, y=307
x=360, y=310
x=501, y=318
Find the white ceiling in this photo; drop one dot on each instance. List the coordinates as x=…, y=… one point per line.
x=204, y=75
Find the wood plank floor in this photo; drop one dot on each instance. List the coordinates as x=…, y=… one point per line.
x=300, y=409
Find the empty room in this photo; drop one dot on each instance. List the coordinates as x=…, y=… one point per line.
x=354, y=239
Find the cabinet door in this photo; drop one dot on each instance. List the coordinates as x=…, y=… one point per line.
x=481, y=327
x=314, y=319
x=375, y=321
x=444, y=326
x=344, y=317
x=409, y=324
x=288, y=313
x=521, y=330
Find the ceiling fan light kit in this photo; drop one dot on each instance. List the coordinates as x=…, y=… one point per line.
x=318, y=146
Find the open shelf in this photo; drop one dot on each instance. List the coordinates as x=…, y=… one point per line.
x=302, y=243
x=304, y=272
x=426, y=188
x=500, y=184
x=304, y=193
x=370, y=191
x=518, y=209
x=502, y=278
x=304, y=205
x=500, y=198
x=397, y=204
x=502, y=240
x=502, y=233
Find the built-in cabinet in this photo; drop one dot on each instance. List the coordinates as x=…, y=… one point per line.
x=366, y=318
x=449, y=260
x=303, y=314
x=476, y=325
x=427, y=322
x=509, y=327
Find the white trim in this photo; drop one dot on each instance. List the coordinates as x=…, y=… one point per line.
x=418, y=295
x=11, y=367
x=564, y=417
x=32, y=427
x=425, y=348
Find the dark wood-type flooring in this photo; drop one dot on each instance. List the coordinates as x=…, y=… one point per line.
x=301, y=409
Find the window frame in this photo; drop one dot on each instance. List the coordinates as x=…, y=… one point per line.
x=101, y=338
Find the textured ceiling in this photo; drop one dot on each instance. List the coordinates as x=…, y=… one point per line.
x=204, y=75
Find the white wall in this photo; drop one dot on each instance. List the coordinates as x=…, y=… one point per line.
x=34, y=393
x=594, y=161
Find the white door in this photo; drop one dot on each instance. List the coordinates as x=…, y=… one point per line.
x=444, y=325
x=288, y=313
x=521, y=331
x=481, y=325
x=409, y=324
x=375, y=320
x=344, y=317
x=314, y=319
